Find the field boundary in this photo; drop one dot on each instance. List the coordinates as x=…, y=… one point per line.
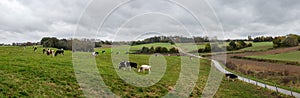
x=268, y=60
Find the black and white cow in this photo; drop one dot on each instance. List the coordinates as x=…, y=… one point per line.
x=61, y=51
x=231, y=76
x=49, y=52
x=127, y=64
x=34, y=49
x=44, y=50
x=145, y=67
x=95, y=53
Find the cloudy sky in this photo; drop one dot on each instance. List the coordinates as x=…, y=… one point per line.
x=30, y=20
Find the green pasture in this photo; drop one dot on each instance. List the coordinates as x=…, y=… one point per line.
x=288, y=56
x=259, y=46
x=25, y=73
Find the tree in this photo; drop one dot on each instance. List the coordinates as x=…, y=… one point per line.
x=250, y=38
x=277, y=41
x=151, y=50
x=173, y=50
x=232, y=45
x=207, y=48
x=164, y=50
x=290, y=41
x=242, y=43
x=145, y=50
x=157, y=50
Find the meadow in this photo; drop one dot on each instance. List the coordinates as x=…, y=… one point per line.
x=193, y=47
x=25, y=73
x=259, y=46
x=288, y=56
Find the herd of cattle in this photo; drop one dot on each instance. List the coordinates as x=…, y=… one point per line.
x=123, y=64
x=127, y=64
x=51, y=52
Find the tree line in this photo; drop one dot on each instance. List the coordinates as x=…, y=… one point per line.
x=286, y=41
x=81, y=44
x=158, y=49
x=170, y=39
x=233, y=45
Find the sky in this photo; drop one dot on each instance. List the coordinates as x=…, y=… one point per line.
x=30, y=20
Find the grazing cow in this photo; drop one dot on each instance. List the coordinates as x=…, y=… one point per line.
x=145, y=67
x=103, y=51
x=95, y=53
x=44, y=50
x=52, y=52
x=49, y=51
x=34, y=49
x=61, y=51
x=127, y=65
x=122, y=65
x=231, y=76
x=131, y=64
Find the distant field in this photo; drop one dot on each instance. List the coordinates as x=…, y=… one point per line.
x=259, y=46
x=289, y=56
x=192, y=47
x=184, y=46
x=24, y=73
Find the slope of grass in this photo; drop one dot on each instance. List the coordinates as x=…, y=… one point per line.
x=27, y=73
x=259, y=46
x=24, y=73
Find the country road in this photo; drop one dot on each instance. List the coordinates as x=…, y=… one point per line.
x=287, y=92
x=223, y=70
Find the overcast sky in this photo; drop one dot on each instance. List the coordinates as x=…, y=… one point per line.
x=30, y=20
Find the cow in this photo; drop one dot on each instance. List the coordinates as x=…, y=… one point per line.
x=60, y=51
x=231, y=76
x=127, y=64
x=145, y=67
x=44, y=50
x=95, y=53
x=49, y=51
x=103, y=51
x=34, y=49
x=122, y=64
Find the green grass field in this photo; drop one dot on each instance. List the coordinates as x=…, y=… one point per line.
x=259, y=46
x=289, y=56
x=24, y=73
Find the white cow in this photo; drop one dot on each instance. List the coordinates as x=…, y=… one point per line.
x=145, y=67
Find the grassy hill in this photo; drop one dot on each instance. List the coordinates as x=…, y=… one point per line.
x=24, y=73
x=259, y=46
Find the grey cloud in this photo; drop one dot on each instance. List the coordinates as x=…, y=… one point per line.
x=239, y=18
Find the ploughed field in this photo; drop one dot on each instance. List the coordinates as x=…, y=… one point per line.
x=25, y=73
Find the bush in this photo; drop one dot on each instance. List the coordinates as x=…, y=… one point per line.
x=249, y=45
